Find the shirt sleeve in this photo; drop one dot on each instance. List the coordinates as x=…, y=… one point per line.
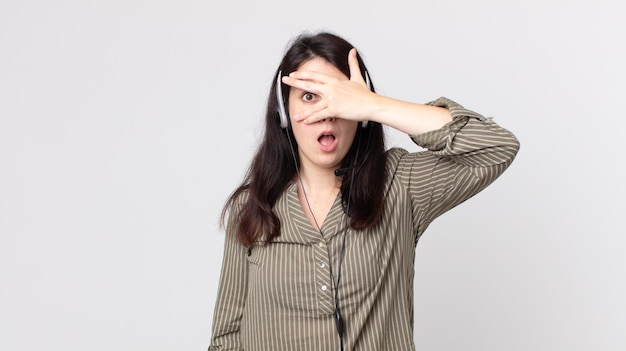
x=231, y=295
x=462, y=158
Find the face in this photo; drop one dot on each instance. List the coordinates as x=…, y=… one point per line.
x=322, y=145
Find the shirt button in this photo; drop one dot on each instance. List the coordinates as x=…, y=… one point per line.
x=320, y=244
x=324, y=288
x=322, y=264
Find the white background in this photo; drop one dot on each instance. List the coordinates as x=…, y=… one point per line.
x=124, y=126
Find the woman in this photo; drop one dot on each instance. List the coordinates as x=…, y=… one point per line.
x=321, y=234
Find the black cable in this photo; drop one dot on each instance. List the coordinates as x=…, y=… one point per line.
x=339, y=322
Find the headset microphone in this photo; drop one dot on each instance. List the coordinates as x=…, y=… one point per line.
x=342, y=171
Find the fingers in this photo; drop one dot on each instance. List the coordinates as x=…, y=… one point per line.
x=309, y=76
x=336, y=95
x=355, y=70
x=295, y=80
x=312, y=116
x=321, y=78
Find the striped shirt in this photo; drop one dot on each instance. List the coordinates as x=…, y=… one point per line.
x=281, y=296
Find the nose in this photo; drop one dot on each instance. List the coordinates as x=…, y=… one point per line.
x=329, y=119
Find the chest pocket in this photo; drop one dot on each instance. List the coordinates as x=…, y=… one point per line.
x=255, y=254
x=254, y=258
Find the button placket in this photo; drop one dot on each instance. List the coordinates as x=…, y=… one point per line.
x=322, y=277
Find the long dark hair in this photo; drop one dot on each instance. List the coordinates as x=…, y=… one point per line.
x=273, y=166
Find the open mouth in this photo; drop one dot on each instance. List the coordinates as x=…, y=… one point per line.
x=326, y=139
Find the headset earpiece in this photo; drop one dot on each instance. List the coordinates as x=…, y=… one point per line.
x=369, y=86
x=282, y=114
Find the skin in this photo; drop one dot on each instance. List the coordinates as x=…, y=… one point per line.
x=323, y=100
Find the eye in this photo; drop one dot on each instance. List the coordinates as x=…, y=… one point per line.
x=308, y=97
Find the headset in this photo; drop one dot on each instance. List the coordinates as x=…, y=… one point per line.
x=284, y=118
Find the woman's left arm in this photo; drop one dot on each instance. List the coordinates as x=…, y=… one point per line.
x=464, y=156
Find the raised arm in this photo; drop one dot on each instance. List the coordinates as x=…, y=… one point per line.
x=351, y=99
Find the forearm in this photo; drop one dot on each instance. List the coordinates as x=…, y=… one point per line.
x=407, y=117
